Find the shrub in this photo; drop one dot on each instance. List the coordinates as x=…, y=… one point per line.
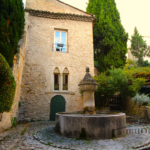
x=14, y=122
x=96, y=64
x=141, y=99
x=148, y=104
x=104, y=88
x=19, y=104
x=119, y=80
x=7, y=86
x=145, y=63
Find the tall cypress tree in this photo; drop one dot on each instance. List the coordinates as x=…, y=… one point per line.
x=139, y=48
x=110, y=38
x=11, y=27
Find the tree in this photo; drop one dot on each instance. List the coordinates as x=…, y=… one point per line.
x=11, y=27
x=110, y=38
x=139, y=48
x=7, y=86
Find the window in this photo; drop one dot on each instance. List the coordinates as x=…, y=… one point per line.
x=65, y=79
x=56, y=78
x=61, y=80
x=56, y=81
x=60, y=41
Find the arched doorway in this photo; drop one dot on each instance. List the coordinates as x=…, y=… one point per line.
x=57, y=105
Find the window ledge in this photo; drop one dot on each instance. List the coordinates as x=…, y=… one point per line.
x=60, y=52
x=58, y=92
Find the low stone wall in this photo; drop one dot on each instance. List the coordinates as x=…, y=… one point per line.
x=147, y=112
x=5, y=118
x=17, y=70
x=5, y=121
x=133, y=109
x=98, y=126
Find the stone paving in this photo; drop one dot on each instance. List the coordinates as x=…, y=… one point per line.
x=41, y=136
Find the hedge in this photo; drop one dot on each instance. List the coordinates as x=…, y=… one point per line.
x=7, y=86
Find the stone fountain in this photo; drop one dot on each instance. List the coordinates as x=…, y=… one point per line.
x=88, y=124
x=88, y=85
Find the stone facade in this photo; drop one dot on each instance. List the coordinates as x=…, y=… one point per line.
x=41, y=61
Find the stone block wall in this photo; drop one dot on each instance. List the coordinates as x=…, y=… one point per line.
x=41, y=61
x=133, y=109
x=17, y=70
x=147, y=113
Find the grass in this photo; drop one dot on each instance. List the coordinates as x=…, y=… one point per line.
x=133, y=147
x=24, y=130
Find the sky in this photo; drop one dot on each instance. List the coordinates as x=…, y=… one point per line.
x=132, y=13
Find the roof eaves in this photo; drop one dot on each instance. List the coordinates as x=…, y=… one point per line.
x=66, y=16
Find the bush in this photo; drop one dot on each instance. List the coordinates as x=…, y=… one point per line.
x=145, y=63
x=7, y=86
x=119, y=80
x=141, y=99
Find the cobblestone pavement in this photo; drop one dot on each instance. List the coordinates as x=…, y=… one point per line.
x=40, y=136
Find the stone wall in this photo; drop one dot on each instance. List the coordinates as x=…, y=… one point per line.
x=133, y=109
x=147, y=113
x=17, y=70
x=41, y=61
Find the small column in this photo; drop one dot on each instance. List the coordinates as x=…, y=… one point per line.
x=88, y=85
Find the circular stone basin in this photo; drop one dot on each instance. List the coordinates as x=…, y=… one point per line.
x=97, y=126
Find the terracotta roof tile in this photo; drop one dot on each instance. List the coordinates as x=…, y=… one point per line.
x=65, y=16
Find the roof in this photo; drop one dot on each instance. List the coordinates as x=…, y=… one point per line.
x=74, y=7
x=65, y=16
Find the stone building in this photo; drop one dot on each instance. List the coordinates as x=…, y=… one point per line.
x=59, y=47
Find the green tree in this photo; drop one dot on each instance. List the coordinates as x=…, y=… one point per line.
x=7, y=86
x=110, y=38
x=139, y=48
x=11, y=27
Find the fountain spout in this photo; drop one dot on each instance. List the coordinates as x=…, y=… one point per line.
x=88, y=85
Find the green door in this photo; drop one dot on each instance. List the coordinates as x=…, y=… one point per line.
x=57, y=105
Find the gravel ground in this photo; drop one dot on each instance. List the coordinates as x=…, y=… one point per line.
x=41, y=136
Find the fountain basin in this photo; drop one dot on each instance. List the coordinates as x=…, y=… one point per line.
x=95, y=126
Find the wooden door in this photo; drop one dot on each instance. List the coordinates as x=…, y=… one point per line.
x=57, y=105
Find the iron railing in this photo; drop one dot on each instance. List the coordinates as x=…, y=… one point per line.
x=60, y=48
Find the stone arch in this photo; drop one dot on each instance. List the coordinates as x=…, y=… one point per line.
x=65, y=79
x=57, y=105
x=56, y=74
x=66, y=71
x=56, y=70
